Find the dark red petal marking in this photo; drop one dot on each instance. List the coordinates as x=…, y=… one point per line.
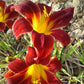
x=61, y=18
x=2, y=26
x=54, y=65
x=31, y=55
x=17, y=65
x=61, y=36
x=21, y=26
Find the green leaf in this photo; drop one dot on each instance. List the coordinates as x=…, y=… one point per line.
x=2, y=80
x=61, y=54
x=78, y=54
x=21, y=52
x=26, y=38
x=58, y=74
x=70, y=52
x=55, y=51
x=81, y=76
x=64, y=71
x=3, y=65
x=81, y=48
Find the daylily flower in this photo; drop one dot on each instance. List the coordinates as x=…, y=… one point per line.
x=6, y=16
x=38, y=18
x=34, y=69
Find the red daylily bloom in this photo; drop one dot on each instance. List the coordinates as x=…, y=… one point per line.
x=6, y=15
x=34, y=70
x=37, y=18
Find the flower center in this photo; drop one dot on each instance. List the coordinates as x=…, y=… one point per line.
x=42, y=26
x=3, y=16
x=37, y=71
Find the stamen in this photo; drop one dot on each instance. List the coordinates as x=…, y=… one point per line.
x=45, y=12
x=3, y=17
x=0, y=11
x=37, y=81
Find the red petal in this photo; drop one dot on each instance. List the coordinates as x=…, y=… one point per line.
x=21, y=26
x=31, y=55
x=44, y=60
x=9, y=23
x=2, y=5
x=8, y=74
x=52, y=79
x=2, y=26
x=28, y=9
x=54, y=65
x=43, y=43
x=18, y=78
x=8, y=8
x=12, y=14
x=17, y=65
x=61, y=36
x=48, y=8
x=62, y=17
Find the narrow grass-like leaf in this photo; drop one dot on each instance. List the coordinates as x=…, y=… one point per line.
x=61, y=54
x=73, y=78
x=64, y=71
x=3, y=65
x=2, y=80
x=55, y=51
x=58, y=74
x=70, y=52
x=78, y=54
x=81, y=48
x=5, y=46
x=54, y=46
x=80, y=76
x=3, y=53
x=1, y=49
x=26, y=38
x=20, y=52
x=81, y=51
x=1, y=35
